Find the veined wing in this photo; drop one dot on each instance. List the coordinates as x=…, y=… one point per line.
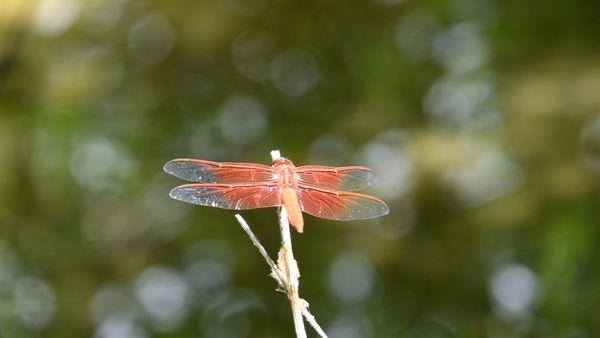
x=336, y=178
x=340, y=205
x=218, y=172
x=229, y=196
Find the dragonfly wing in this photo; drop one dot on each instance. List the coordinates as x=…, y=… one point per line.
x=218, y=172
x=340, y=205
x=336, y=178
x=229, y=196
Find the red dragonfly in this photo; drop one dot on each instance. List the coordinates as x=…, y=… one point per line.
x=321, y=191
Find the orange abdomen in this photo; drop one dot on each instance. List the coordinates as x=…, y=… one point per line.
x=290, y=201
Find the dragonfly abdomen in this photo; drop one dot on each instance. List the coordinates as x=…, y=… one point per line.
x=289, y=198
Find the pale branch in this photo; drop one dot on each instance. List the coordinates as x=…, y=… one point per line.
x=288, y=264
x=311, y=319
x=279, y=277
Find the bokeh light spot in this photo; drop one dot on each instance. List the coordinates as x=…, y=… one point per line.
x=351, y=278
x=351, y=325
x=513, y=288
x=294, y=72
x=120, y=326
x=98, y=164
x=34, y=302
x=205, y=277
x=393, y=168
x=242, y=119
x=460, y=48
x=151, y=39
x=164, y=296
x=456, y=101
x=53, y=17
x=252, y=52
x=490, y=175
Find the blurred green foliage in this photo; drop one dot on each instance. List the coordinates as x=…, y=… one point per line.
x=481, y=118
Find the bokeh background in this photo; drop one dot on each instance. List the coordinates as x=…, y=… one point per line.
x=480, y=117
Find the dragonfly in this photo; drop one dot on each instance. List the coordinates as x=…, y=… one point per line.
x=320, y=191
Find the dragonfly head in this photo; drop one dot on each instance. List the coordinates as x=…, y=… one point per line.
x=282, y=161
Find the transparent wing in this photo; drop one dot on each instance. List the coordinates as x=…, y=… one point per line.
x=218, y=172
x=341, y=206
x=336, y=178
x=229, y=196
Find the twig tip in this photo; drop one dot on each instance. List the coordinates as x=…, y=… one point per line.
x=275, y=154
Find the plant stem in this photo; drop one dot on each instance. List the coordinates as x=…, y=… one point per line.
x=289, y=266
x=279, y=277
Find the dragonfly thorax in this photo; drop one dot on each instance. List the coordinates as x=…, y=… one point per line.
x=286, y=172
x=282, y=161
